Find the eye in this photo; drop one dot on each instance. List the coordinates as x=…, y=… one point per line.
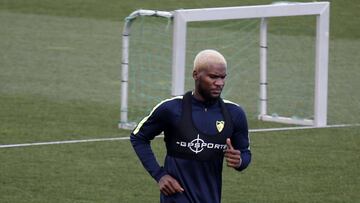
x=215, y=77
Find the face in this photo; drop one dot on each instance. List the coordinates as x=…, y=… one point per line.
x=210, y=81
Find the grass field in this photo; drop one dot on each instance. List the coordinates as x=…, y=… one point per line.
x=60, y=80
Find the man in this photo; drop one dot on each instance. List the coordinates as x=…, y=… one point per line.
x=200, y=129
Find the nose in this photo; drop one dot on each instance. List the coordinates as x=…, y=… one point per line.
x=220, y=82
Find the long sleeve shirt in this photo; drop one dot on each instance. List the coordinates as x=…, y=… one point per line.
x=201, y=180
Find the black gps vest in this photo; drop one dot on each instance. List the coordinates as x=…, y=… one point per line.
x=189, y=143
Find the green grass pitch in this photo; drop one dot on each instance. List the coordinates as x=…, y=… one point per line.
x=60, y=80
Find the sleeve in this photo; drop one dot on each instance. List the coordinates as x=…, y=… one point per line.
x=240, y=138
x=140, y=138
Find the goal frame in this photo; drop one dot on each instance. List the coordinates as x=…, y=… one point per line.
x=183, y=16
x=318, y=9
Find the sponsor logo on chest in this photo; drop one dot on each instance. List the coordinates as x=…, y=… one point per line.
x=198, y=145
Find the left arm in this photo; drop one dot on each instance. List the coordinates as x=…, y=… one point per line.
x=238, y=154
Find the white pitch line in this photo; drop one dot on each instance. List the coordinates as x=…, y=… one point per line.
x=63, y=142
x=127, y=138
x=303, y=128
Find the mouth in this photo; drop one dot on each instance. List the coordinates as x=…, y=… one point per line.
x=216, y=91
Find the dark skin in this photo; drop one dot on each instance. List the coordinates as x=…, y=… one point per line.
x=209, y=82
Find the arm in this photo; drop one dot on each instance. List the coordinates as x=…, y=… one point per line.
x=140, y=138
x=238, y=154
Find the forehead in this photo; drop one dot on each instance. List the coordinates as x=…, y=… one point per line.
x=216, y=69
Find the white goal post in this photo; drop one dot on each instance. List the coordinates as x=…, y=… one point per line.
x=183, y=16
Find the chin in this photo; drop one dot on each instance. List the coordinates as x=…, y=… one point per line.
x=215, y=95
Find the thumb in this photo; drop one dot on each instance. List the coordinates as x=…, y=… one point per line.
x=228, y=143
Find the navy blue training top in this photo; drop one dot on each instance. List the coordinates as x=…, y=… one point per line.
x=201, y=180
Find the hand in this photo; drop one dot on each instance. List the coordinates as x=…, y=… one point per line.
x=169, y=185
x=232, y=155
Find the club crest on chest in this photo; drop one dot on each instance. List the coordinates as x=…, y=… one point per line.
x=220, y=125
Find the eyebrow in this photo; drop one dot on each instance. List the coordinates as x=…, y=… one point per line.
x=217, y=75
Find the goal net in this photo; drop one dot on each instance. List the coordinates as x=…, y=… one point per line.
x=277, y=59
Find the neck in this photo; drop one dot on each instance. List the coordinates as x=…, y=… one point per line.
x=198, y=96
x=207, y=101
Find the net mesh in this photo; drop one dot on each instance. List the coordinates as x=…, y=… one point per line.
x=290, y=73
x=149, y=65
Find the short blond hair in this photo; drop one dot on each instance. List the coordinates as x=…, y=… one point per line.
x=207, y=57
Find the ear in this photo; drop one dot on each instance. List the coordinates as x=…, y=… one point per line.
x=195, y=75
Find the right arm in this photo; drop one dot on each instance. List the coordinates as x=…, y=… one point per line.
x=140, y=138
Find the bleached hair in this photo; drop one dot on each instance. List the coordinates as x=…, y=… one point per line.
x=207, y=57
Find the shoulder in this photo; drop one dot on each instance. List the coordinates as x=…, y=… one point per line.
x=235, y=110
x=233, y=107
x=174, y=101
x=237, y=113
x=163, y=111
x=167, y=104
